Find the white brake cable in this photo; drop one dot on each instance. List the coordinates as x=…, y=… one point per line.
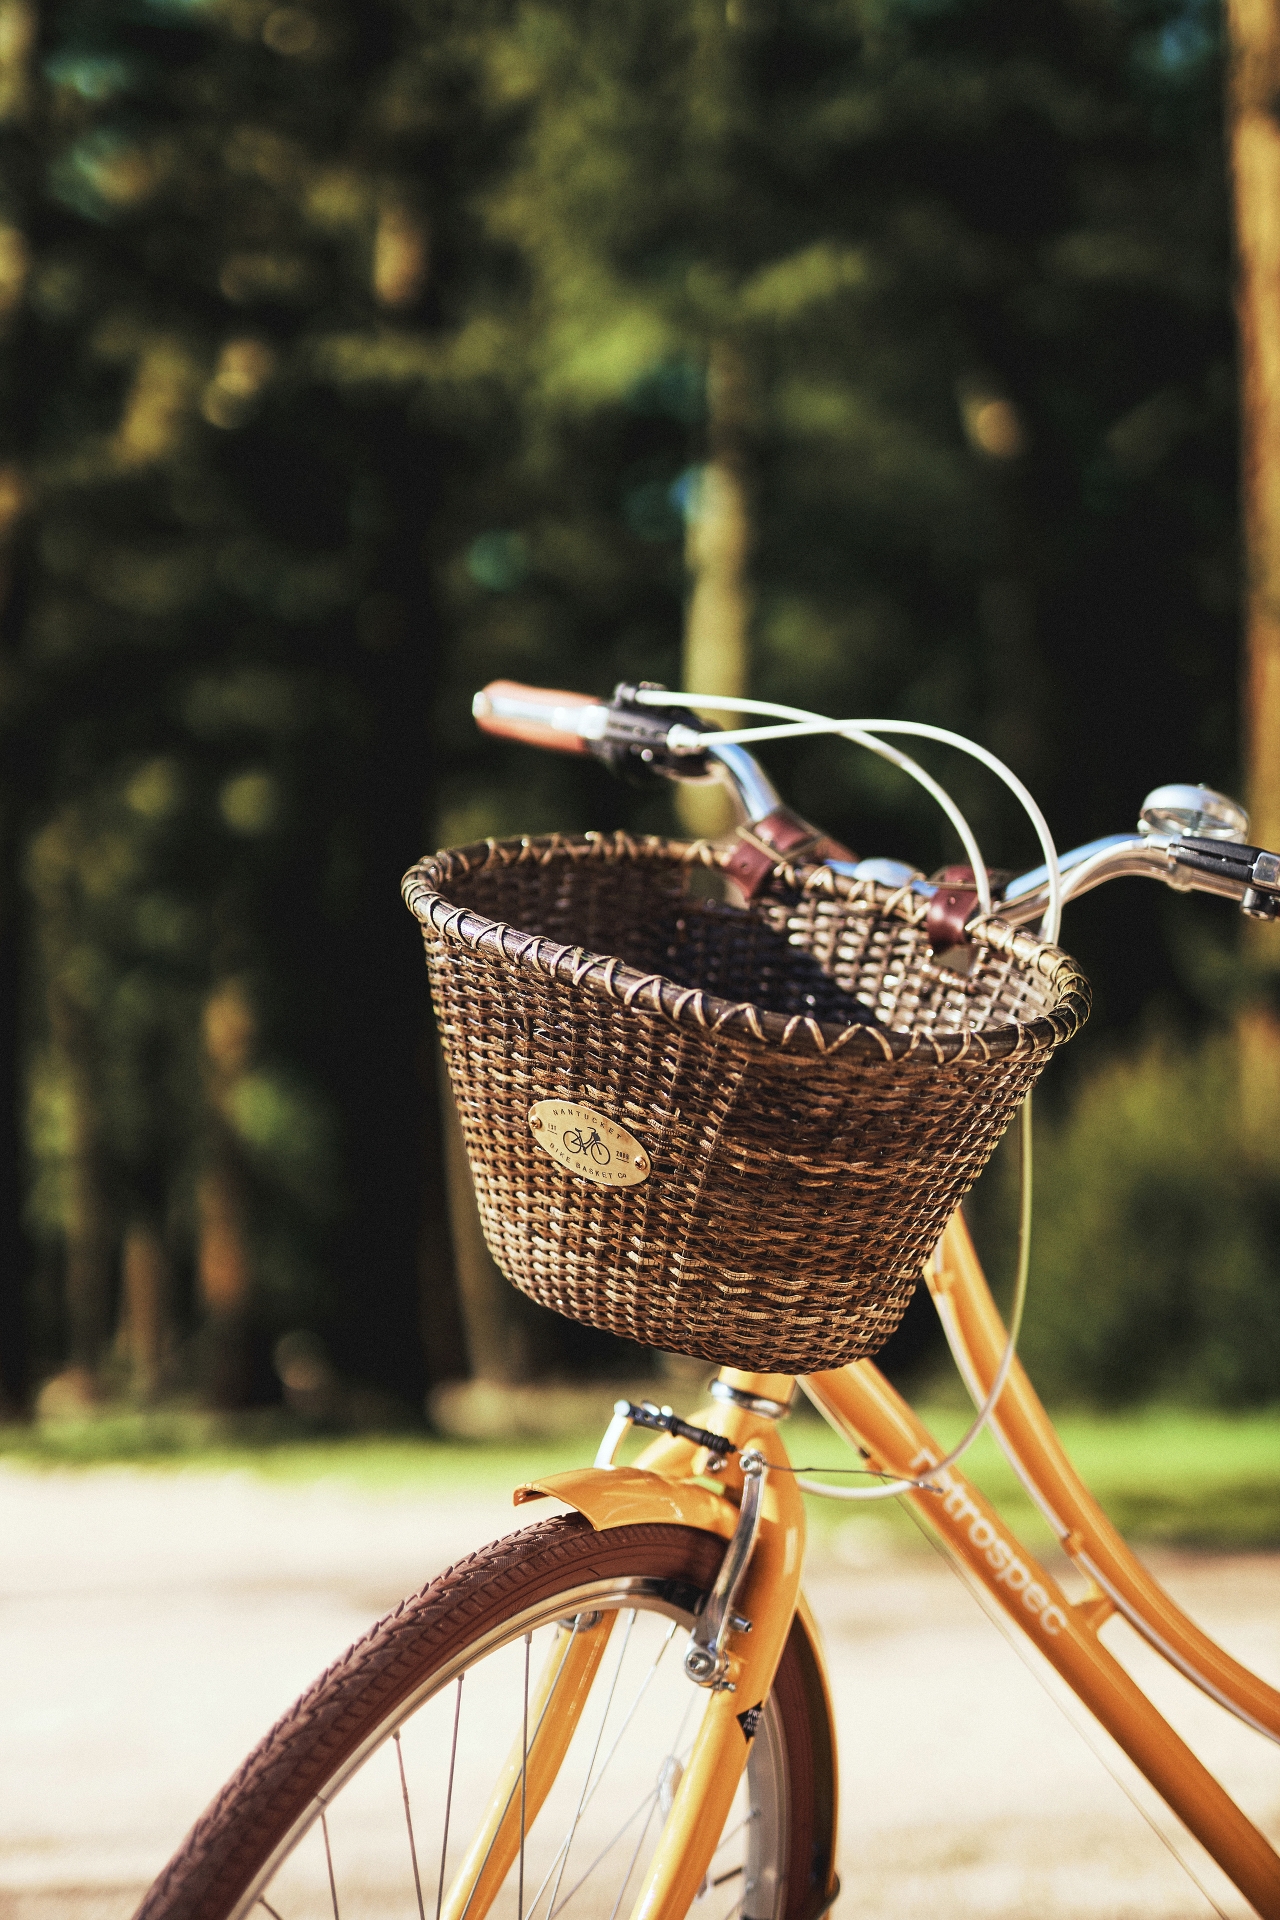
x=797, y=723
x=849, y=730
x=891, y=1488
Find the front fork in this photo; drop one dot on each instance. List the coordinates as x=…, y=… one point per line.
x=745, y=1626
x=750, y=1636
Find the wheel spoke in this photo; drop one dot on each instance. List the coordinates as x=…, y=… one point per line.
x=631, y=1710
x=408, y=1820
x=733, y=1832
x=565, y=1845
x=650, y=1801
x=547, y=1706
x=631, y=1864
x=448, y=1798
x=328, y=1857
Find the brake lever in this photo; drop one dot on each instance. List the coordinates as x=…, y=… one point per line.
x=638, y=741
x=1253, y=869
x=634, y=742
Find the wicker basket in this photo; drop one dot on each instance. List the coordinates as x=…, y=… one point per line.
x=787, y=1101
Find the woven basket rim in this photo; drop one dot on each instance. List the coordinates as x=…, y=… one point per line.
x=610, y=978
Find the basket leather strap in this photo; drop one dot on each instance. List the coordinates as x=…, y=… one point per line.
x=782, y=836
x=954, y=905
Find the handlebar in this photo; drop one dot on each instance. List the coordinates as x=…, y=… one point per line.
x=540, y=716
x=628, y=737
x=639, y=741
x=1188, y=863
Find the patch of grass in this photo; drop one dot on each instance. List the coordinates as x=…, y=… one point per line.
x=275, y=1446
x=1168, y=1476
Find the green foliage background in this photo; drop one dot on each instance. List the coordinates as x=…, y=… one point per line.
x=356, y=355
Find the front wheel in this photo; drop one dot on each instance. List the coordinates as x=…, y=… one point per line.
x=507, y=1743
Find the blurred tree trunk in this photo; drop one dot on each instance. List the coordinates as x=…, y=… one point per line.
x=1254, y=147
x=13, y=1245
x=718, y=545
x=88, y=1226
x=224, y=1270
x=223, y=1273
x=14, y=1249
x=18, y=33
x=144, y=1319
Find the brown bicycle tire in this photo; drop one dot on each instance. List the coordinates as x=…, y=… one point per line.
x=240, y=1830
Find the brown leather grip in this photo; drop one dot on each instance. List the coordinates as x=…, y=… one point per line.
x=780, y=836
x=951, y=908
x=540, y=716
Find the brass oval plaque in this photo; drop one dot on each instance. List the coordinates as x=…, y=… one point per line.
x=588, y=1143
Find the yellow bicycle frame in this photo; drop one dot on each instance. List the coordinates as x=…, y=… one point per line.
x=668, y=1484
x=861, y=1405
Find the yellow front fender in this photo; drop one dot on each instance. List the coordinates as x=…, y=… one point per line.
x=630, y=1496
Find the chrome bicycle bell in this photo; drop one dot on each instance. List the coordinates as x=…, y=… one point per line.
x=1199, y=811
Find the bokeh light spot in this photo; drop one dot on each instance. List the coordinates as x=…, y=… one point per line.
x=498, y=561
x=250, y=803
x=155, y=789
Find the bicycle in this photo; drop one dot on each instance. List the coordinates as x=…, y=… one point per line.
x=627, y=1703
x=576, y=1141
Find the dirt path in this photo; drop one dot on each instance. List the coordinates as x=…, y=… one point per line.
x=154, y=1624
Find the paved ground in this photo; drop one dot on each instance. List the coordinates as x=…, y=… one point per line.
x=155, y=1623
